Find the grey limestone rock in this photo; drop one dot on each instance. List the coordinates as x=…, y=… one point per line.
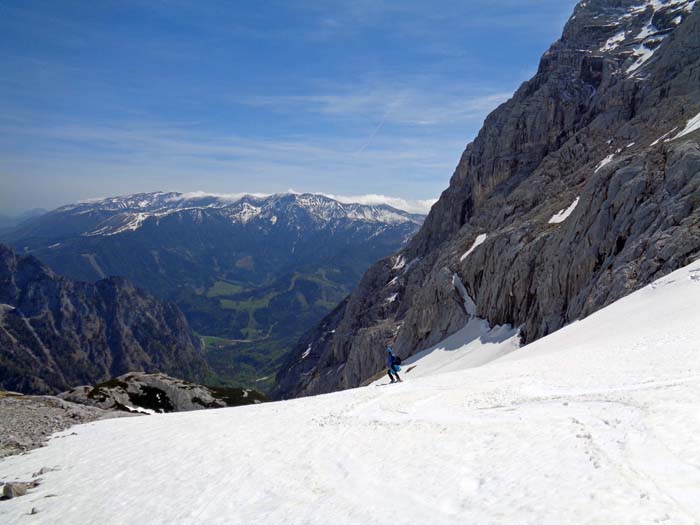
x=56, y=333
x=15, y=489
x=158, y=393
x=595, y=131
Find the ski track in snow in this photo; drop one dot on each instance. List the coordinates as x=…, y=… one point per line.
x=596, y=423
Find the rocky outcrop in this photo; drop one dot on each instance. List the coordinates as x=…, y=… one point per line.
x=158, y=393
x=16, y=489
x=27, y=422
x=56, y=333
x=580, y=189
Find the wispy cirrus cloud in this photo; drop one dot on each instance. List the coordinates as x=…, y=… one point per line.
x=68, y=158
x=404, y=106
x=367, y=98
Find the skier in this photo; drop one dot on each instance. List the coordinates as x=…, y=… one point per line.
x=392, y=362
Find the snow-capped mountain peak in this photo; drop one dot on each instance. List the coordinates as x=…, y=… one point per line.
x=130, y=212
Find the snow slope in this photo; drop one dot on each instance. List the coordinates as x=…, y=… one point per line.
x=597, y=423
x=474, y=345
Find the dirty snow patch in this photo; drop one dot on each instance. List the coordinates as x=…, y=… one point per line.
x=391, y=298
x=607, y=160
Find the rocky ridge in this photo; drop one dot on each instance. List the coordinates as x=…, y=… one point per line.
x=56, y=333
x=581, y=188
x=158, y=393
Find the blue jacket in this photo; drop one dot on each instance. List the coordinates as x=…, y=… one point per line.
x=390, y=360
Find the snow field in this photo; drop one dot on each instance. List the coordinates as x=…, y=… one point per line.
x=596, y=423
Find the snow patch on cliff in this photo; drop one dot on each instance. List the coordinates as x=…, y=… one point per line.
x=477, y=242
x=607, y=160
x=565, y=213
x=693, y=125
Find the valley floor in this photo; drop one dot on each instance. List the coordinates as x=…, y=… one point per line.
x=597, y=423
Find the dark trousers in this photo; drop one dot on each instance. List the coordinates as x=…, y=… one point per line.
x=393, y=373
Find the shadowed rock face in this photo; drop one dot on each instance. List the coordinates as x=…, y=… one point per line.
x=56, y=333
x=597, y=126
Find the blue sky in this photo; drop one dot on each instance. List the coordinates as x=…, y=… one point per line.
x=111, y=97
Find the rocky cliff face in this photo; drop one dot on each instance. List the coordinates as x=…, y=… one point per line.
x=56, y=333
x=580, y=189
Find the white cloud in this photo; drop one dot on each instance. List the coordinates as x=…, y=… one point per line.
x=409, y=205
x=227, y=197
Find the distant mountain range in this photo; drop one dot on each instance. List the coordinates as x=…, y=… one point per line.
x=56, y=333
x=251, y=274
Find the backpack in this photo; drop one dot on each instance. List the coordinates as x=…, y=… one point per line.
x=396, y=360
